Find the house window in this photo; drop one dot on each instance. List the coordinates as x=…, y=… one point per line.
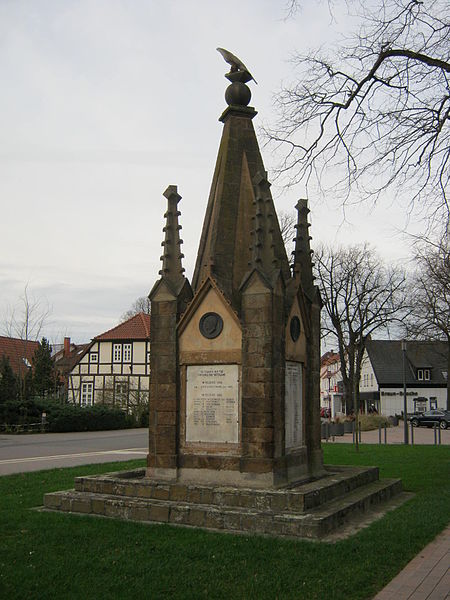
x=121, y=393
x=420, y=405
x=423, y=374
x=371, y=379
x=127, y=353
x=87, y=394
x=117, y=352
x=94, y=357
x=433, y=402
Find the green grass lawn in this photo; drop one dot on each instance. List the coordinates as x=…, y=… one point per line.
x=54, y=555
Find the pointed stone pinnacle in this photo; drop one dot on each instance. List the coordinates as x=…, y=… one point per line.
x=303, y=265
x=264, y=246
x=172, y=268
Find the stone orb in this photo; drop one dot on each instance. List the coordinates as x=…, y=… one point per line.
x=238, y=94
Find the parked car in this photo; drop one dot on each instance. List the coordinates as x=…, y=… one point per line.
x=430, y=417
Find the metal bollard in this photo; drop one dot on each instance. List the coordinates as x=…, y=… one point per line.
x=385, y=434
x=359, y=433
x=439, y=435
x=435, y=436
x=412, y=435
x=379, y=433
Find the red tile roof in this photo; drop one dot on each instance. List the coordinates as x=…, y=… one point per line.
x=65, y=363
x=17, y=350
x=136, y=328
x=329, y=358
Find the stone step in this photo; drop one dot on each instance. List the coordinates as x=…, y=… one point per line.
x=314, y=524
x=329, y=517
x=296, y=499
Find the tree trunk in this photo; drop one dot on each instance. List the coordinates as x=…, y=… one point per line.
x=356, y=404
x=448, y=374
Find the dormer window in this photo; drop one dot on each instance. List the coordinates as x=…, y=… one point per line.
x=423, y=374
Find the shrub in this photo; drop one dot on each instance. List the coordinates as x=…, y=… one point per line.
x=13, y=412
x=141, y=417
x=369, y=422
x=72, y=417
x=65, y=417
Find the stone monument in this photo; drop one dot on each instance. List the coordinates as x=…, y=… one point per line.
x=234, y=432
x=235, y=355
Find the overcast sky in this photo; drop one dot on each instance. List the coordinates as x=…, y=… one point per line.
x=104, y=103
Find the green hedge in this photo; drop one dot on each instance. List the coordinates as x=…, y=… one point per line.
x=65, y=417
x=15, y=412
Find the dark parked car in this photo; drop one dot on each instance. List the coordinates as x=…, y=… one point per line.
x=430, y=417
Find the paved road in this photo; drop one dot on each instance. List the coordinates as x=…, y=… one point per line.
x=33, y=452
x=23, y=453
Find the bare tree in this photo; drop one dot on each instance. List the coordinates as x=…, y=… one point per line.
x=373, y=113
x=430, y=294
x=288, y=221
x=122, y=394
x=361, y=295
x=141, y=304
x=26, y=321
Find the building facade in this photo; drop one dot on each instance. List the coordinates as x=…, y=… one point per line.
x=331, y=398
x=114, y=369
x=423, y=366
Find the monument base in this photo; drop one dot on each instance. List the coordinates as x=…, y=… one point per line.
x=317, y=509
x=162, y=474
x=261, y=481
x=239, y=471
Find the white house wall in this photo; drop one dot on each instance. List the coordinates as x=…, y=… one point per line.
x=104, y=374
x=391, y=399
x=368, y=381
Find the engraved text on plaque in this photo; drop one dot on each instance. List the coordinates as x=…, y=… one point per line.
x=293, y=405
x=212, y=404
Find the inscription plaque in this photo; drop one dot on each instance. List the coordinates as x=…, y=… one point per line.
x=212, y=404
x=293, y=404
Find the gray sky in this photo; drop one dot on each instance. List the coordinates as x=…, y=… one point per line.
x=105, y=103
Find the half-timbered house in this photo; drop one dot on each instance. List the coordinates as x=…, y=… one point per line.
x=114, y=369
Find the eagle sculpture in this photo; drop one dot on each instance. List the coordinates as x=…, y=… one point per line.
x=236, y=64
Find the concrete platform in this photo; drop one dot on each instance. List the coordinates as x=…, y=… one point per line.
x=313, y=510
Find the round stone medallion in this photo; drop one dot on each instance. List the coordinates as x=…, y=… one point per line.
x=295, y=328
x=211, y=325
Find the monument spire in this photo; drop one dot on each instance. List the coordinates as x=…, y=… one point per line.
x=232, y=231
x=172, y=269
